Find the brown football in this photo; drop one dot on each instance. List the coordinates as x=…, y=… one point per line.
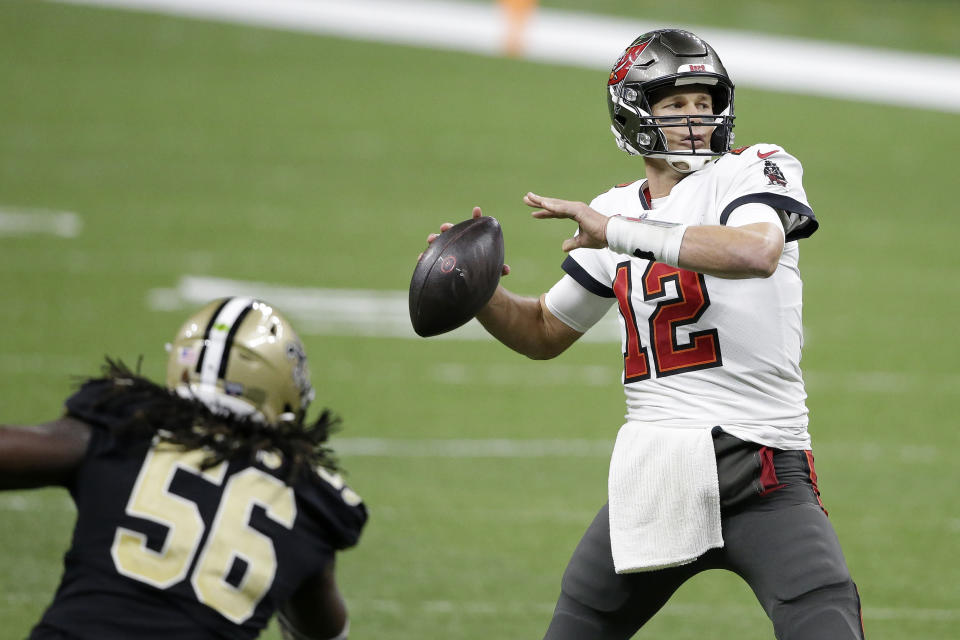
x=456, y=276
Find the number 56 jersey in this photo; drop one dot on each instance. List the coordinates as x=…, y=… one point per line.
x=165, y=547
x=702, y=351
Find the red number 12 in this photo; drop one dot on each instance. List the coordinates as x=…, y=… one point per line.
x=702, y=351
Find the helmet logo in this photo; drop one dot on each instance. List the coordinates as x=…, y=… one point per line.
x=301, y=374
x=623, y=65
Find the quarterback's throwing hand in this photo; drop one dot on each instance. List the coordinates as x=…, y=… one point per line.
x=593, y=225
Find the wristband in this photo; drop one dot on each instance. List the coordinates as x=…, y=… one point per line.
x=647, y=239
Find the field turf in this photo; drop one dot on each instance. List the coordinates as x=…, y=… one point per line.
x=196, y=148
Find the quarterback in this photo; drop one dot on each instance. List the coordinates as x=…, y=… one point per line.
x=203, y=506
x=713, y=465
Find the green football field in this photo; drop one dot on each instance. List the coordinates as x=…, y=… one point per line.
x=187, y=148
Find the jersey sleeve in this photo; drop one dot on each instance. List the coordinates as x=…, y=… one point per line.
x=339, y=511
x=754, y=212
x=767, y=174
x=593, y=269
x=98, y=402
x=105, y=407
x=576, y=306
x=590, y=269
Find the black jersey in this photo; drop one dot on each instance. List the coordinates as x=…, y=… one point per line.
x=164, y=548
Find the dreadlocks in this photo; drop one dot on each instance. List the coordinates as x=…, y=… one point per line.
x=146, y=410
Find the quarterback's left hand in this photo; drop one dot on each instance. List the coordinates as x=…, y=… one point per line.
x=593, y=225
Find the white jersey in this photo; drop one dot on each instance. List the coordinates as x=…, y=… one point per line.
x=702, y=351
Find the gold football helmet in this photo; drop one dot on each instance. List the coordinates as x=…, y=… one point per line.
x=240, y=355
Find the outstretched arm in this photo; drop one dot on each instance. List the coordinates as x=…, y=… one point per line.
x=750, y=251
x=41, y=455
x=522, y=323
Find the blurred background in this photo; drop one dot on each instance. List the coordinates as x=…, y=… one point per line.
x=156, y=154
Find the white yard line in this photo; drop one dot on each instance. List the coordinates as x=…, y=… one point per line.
x=318, y=311
x=34, y=503
x=21, y=222
x=385, y=314
x=791, y=65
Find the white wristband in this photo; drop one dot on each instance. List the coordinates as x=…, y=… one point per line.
x=649, y=239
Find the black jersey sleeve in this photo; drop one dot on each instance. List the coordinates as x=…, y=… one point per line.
x=107, y=402
x=337, y=509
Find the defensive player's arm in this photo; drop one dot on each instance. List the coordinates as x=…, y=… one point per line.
x=316, y=611
x=750, y=251
x=526, y=325
x=42, y=455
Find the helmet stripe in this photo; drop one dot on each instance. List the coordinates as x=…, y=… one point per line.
x=206, y=331
x=216, y=349
x=228, y=343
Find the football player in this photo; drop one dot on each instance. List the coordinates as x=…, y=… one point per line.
x=203, y=506
x=713, y=467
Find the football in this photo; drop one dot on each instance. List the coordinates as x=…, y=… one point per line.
x=456, y=276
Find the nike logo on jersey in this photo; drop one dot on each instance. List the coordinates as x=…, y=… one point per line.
x=764, y=156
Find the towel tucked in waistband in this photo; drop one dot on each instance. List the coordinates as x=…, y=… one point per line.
x=664, y=497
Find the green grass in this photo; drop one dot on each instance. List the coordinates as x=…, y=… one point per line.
x=195, y=148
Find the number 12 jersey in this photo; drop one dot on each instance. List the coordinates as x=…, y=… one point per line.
x=701, y=351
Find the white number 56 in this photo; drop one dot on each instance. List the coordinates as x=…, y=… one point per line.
x=231, y=537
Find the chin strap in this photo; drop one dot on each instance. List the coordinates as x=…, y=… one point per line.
x=687, y=163
x=681, y=163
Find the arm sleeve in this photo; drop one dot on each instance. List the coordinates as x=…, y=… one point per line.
x=754, y=212
x=575, y=306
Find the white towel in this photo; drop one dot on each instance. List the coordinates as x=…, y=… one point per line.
x=664, y=497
